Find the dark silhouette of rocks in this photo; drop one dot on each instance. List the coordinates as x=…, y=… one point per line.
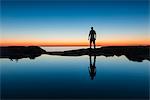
x=133, y=53
x=18, y=52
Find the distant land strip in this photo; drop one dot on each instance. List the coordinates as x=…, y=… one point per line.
x=133, y=53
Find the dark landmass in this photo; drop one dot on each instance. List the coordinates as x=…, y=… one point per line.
x=18, y=52
x=133, y=53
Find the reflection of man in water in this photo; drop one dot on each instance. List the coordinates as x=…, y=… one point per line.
x=92, y=36
x=92, y=69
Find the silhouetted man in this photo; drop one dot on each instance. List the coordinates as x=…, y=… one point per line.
x=92, y=69
x=92, y=36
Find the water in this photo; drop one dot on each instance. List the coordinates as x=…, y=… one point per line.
x=69, y=77
x=62, y=48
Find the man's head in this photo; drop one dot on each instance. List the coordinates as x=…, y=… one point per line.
x=91, y=28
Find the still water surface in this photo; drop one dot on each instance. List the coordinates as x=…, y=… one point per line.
x=73, y=77
x=62, y=48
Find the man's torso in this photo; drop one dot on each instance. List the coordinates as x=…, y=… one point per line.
x=92, y=33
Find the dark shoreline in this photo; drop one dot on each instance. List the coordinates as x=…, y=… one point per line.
x=133, y=53
x=18, y=52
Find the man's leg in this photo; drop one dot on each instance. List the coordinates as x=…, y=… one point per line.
x=90, y=43
x=94, y=43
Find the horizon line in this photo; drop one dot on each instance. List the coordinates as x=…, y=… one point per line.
x=69, y=45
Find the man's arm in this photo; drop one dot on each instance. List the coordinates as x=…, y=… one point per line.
x=95, y=35
x=89, y=36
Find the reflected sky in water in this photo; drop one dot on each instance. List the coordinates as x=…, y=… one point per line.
x=68, y=77
x=64, y=48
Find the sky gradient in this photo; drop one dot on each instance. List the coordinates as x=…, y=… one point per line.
x=68, y=22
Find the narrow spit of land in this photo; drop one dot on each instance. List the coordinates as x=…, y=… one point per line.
x=134, y=53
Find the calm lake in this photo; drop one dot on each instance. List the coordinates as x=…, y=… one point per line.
x=73, y=77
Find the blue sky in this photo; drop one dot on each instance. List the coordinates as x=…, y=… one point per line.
x=70, y=20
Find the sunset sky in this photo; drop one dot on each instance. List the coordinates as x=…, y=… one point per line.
x=68, y=22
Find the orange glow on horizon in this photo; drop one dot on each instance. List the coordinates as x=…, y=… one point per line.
x=72, y=43
x=102, y=40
